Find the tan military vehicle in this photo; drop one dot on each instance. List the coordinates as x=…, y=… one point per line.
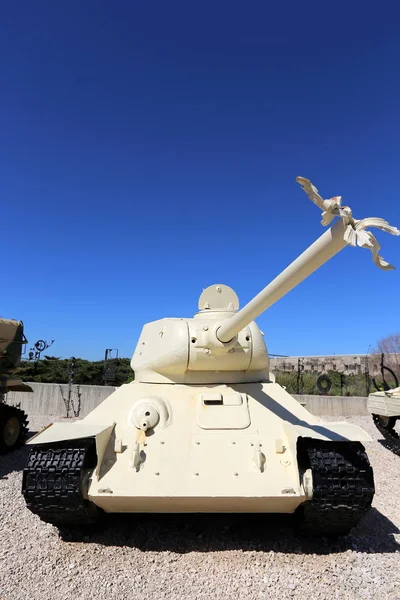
x=13, y=420
x=385, y=409
x=204, y=427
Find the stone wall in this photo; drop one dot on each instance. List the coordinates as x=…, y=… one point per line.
x=52, y=399
x=348, y=364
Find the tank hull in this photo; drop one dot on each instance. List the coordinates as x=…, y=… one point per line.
x=216, y=449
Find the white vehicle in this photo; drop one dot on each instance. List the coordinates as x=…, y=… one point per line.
x=204, y=427
x=385, y=410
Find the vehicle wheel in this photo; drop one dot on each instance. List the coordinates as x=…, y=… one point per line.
x=13, y=428
x=387, y=422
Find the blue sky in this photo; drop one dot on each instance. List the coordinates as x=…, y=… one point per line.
x=150, y=149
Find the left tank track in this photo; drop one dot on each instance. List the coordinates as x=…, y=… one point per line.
x=18, y=419
x=392, y=438
x=54, y=481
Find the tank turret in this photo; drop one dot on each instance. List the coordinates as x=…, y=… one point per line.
x=204, y=427
x=223, y=344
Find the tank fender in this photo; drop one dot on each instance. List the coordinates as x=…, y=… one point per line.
x=340, y=431
x=61, y=432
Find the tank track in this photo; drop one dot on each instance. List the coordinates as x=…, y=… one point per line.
x=343, y=487
x=53, y=482
x=392, y=438
x=6, y=412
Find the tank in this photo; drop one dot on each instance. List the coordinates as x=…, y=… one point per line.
x=204, y=427
x=13, y=420
x=385, y=410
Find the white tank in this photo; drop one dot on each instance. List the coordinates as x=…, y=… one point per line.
x=204, y=427
x=385, y=410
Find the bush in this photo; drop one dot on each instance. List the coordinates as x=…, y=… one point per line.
x=348, y=385
x=56, y=370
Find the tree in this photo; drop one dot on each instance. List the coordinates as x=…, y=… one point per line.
x=390, y=347
x=52, y=369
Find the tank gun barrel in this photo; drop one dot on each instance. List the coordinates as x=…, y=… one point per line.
x=346, y=231
x=326, y=246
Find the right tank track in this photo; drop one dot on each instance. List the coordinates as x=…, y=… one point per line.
x=343, y=487
x=54, y=480
x=392, y=438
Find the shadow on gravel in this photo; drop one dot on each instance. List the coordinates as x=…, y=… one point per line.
x=15, y=460
x=210, y=533
x=393, y=447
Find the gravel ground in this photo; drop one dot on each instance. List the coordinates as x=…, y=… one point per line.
x=178, y=556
